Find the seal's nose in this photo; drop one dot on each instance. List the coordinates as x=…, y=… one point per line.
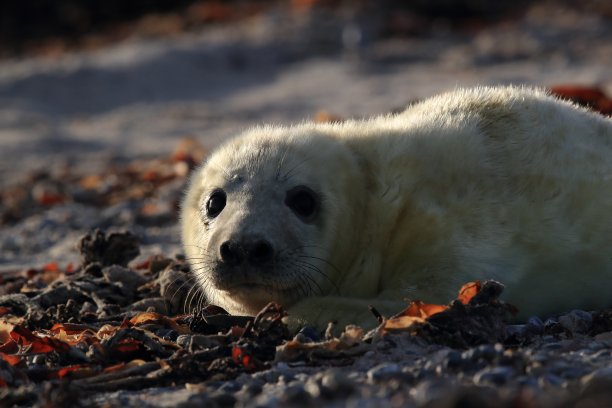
x=231, y=253
x=256, y=251
x=259, y=252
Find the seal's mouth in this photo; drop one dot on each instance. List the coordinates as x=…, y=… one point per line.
x=254, y=286
x=253, y=296
x=248, y=280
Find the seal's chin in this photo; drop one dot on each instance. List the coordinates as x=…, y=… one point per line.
x=247, y=291
x=251, y=298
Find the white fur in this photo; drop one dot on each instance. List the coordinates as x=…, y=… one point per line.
x=505, y=183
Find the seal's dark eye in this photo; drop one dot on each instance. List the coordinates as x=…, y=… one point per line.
x=303, y=201
x=215, y=203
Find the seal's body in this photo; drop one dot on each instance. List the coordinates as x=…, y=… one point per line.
x=501, y=183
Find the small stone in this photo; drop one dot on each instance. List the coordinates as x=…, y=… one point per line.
x=534, y=325
x=601, y=374
x=337, y=382
x=597, y=345
x=601, y=354
x=605, y=338
x=485, y=352
x=253, y=388
x=383, y=372
x=572, y=373
x=526, y=381
x=430, y=390
x=552, y=346
x=551, y=325
x=516, y=330
x=158, y=304
x=230, y=387
x=576, y=321
x=494, y=376
x=88, y=307
x=127, y=279
x=551, y=380
x=452, y=360
x=313, y=388
x=286, y=378
x=295, y=395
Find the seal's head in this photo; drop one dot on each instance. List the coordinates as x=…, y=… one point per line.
x=261, y=216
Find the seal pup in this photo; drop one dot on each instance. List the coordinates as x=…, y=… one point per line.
x=503, y=183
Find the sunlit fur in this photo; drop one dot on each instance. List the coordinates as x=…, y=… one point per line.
x=504, y=183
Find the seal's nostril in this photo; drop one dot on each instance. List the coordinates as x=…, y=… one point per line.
x=230, y=253
x=260, y=252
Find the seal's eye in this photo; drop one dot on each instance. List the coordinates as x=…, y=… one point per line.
x=215, y=203
x=303, y=201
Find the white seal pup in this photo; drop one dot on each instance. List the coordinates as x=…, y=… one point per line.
x=500, y=183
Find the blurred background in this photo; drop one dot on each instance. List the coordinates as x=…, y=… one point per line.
x=106, y=105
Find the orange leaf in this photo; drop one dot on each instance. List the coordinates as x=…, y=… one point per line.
x=468, y=291
x=48, y=198
x=51, y=267
x=122, y=366
x=25, y=337
x=74, y=371
x=578, y=93
x=157, y=318
x=402, y=322
x=12, y=360
x=423, y=310
x=70, y=328
x=128, y=346
x=240, y=356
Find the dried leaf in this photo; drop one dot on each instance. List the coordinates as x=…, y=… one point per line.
x=11, y=359
x=402, y=322
x=468, y=291
x=75, y=371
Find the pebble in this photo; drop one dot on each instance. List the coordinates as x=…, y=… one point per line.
x=486, y=352
x=338, y=382
x=252, y=388
x=230, y=386
x=576, y=321
x=452, y=360
x=600, y=374
x=197, y=341
x=552, y=346
x=605, y=338
x=494, y=376
x=295, y=395
x=548, y=380
x=313, y=388
x=384, y=371
x=534, y=325
x=430, y=390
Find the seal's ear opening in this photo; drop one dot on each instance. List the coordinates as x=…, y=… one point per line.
x=303, y=202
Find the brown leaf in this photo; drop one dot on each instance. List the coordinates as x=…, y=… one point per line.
x=468, y=291
x=75, y=371
x=11, y=359
x=157, y=318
